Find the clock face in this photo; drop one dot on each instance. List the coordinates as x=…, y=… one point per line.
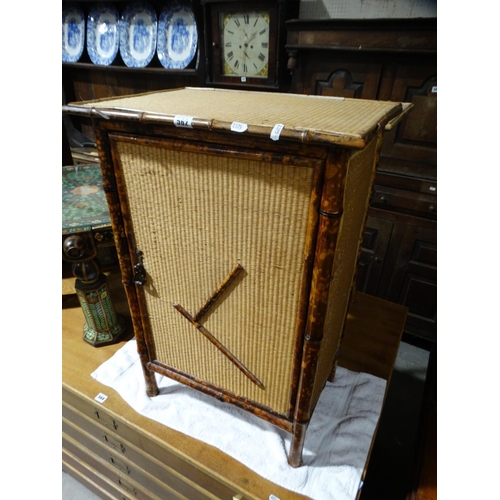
x=245, y=44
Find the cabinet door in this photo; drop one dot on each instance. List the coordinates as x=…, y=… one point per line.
x=416, y=136
x=376, y=239
x=414, y=281
x=222, y=234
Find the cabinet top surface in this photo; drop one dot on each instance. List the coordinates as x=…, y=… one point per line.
x=348, y=122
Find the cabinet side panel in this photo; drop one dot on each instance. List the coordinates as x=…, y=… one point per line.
x=357, y=191
x=196, y=217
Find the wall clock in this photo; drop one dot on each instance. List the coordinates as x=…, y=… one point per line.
x=244, y=42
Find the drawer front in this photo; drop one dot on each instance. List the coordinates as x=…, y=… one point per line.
x=96, y=476
x=120, y=438
x=405, y=183
x=127, y=458
x=133, y=482
x=405, y=201
x=89, y=478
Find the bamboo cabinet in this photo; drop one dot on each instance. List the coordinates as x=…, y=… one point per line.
x=238, y=218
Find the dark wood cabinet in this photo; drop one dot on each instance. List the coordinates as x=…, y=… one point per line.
x=386, y=60
x=414, y=279
x=399, y=262
x=415, y=139
x=375, y=244
x=86, y=81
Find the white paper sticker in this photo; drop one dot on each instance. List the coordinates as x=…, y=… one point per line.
x=100, y=398
x=183, y=121
x=243, y=79
x=432, y=188
x=276, y=131
x=434, y=89
x=239, y=127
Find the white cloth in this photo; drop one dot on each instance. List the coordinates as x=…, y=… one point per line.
x=337, y=440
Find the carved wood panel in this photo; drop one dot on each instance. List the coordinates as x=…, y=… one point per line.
x=349, y=80
x=416, y=135
x=414, y=282
x=376, y=240
x=338, y=74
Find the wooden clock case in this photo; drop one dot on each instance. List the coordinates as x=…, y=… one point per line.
x=279, y=11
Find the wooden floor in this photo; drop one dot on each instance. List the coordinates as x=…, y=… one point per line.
x=425, y=479
x=427, y=489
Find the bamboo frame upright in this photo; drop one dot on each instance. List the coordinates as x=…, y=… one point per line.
x=238, y=250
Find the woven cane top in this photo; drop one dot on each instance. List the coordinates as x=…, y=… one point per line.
x=306, y=118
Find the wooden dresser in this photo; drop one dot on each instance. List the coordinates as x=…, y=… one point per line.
x=394, y=60
x=117, y=453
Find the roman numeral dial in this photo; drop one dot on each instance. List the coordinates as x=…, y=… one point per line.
x=245, y=44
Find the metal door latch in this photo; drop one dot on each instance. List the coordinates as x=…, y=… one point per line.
x=139, y=271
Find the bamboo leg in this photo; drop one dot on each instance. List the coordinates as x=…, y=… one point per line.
x=149, y=376
x=151, y=385
x=297, y=445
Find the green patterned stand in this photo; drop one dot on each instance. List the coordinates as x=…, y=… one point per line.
x=103, y=325
x=85, y=221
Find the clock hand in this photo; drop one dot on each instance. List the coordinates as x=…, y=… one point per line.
x=243, y=49
x=252, y=37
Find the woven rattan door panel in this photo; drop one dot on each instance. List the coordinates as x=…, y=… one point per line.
x=198, y=216
x=238, y=219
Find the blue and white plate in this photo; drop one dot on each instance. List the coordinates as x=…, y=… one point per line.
x=177, y=36
x=73, y=32
x=103, y=33
x=138, y=29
